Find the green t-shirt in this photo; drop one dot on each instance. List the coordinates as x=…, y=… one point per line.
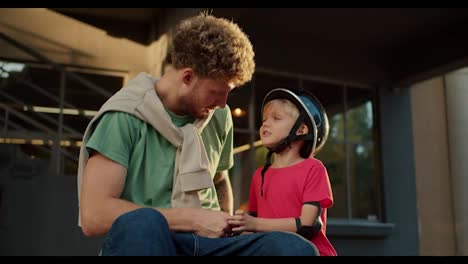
x=149, y=157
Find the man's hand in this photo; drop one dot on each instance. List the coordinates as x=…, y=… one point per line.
x=210, y=223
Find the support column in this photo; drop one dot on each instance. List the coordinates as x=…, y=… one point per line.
x=456, y=85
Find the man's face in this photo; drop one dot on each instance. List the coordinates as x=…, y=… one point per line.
x=206, y=94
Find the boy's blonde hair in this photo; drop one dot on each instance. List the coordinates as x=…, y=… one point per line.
x=213, y=47
x=287, y=105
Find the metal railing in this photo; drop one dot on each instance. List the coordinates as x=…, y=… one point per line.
x=40, y=121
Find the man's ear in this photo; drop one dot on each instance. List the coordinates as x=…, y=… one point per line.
x=187, y=76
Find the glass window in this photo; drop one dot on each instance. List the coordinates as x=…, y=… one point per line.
x=333, y=157
x=364, y=176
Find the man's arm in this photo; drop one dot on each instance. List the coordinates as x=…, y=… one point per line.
x=102, y=185
x=224, y=191
x=100, y=203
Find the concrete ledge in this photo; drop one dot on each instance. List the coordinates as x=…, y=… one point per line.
x=358, y=228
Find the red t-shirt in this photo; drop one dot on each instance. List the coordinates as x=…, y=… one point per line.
x=285, y=190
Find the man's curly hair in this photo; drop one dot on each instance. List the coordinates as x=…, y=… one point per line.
x=213, y=47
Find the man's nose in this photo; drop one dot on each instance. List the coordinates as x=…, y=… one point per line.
x=222, y=105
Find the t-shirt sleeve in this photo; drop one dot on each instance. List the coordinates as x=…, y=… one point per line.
x=317, y=186
x=226, y=159
x=113, y=136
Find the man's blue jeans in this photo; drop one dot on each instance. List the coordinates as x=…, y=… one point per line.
x=145, y=232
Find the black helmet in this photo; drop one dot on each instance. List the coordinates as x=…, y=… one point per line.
x=311, y=112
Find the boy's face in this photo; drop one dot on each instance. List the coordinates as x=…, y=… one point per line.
x=277, y=122
x=205, y=95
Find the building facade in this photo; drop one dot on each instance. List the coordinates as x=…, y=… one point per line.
x=395, y=153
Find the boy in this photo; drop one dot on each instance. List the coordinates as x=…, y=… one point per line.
x=293, y=192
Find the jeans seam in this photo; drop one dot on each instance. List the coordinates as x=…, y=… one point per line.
x=196, y=243
x=109, y=245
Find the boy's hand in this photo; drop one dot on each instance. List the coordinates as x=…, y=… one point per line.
x=242, y=221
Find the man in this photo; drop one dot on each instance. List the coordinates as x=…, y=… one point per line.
x=153, y=166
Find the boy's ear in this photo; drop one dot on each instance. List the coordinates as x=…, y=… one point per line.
x=303, y=129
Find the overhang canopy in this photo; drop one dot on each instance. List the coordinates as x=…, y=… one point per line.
x=377, y=46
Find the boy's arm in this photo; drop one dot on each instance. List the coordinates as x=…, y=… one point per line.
x=309, y=214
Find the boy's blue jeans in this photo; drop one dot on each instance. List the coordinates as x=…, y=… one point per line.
x=145, y=232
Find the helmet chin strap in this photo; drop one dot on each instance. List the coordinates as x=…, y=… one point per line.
x=283, y=144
